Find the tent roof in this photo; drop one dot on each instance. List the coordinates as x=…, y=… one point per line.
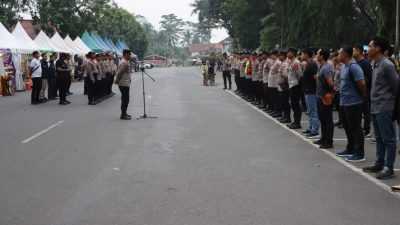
x=44, y=43
x=78, y=41
x=60, y=44
x=100, y=42
x=68, y=41
x=20, y=34
x=90, y=42
x=7, y=40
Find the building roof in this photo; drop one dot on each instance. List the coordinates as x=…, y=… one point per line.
x=205, y=47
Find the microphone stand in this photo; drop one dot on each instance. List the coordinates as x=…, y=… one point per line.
x=145, y=116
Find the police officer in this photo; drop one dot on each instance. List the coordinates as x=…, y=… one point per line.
x=123, y=80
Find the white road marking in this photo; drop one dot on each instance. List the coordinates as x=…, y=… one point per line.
x=332, y=155
x=40, y=133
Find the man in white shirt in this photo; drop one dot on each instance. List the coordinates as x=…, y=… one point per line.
x=35, y=70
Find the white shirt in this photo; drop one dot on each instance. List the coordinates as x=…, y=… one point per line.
x=37, y=66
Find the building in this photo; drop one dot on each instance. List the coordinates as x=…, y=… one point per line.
x=205, y=49
x=156, y=60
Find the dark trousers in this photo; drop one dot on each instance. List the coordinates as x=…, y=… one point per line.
x=227, y=79
x=52, y=90
x=352, y=126
x=110, y=84
x=367, y=116
x=124, y=99
x=284, y=106
x=325, y=114
x=295, y=99
x=266, y=96
x=69, y=82
x=273, y=97
x=62, y=85
x=336, y=103
x=385, y=139
x=91, y=90
x=36, y=88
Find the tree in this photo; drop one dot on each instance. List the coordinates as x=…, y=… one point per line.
x=9, y=10
x=172, y=26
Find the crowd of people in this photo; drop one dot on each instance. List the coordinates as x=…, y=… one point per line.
x=362, y=84
x=53, y=77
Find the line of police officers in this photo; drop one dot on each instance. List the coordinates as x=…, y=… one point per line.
x=99, y=73
x=271, y=80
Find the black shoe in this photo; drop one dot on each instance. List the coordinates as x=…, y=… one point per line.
x=306, y=132
x=373, y=169
x=344, y=153
x=92, y=103
x=326, y=146
x=385, y=174
x=126, y=117
x=319, y=142
x=294, y=126
x=63, y=103
x=68, y=102
x=285, y=121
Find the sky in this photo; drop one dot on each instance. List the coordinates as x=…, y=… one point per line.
x=154, y=9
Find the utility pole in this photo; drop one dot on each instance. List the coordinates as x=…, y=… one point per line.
x=397, y=26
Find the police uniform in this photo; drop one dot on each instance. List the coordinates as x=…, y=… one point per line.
x=283, y=89
x=273, y=86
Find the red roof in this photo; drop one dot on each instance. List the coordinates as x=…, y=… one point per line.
x=205, y=47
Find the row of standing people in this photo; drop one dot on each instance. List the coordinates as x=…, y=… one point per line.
x=284, y=83
x=52, y=75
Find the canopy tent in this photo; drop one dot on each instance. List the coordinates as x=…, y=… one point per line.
x=78, y=42
x=60, y=44
x=111, y=43
x=100, y=42
x=68, y=41
x=22, y=37
x=90, y=42
x=44, y=42
x=7, y=40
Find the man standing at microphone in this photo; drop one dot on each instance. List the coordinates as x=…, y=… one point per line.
x=123, y=80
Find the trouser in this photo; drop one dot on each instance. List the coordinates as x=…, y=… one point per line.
x=385, y=139
x=325, y=115
x=62, y=83
x=52, y=90
x=43, y=90
x=295, y=98
x=284, y=106
x=211, y=77
x=266, y=96
x=227, y=79
x=110, y=81
x=273, y=97
x=124, y=99
x=352, y=126
x=69, y=82
x=237, y=77
x=367, y=115
x=36, y=88
x=312, y=109
x=260, y=91
x=85, y=86
x=205, y=79
x=91, y=90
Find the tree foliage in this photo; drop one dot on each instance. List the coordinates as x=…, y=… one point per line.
x=268, y=23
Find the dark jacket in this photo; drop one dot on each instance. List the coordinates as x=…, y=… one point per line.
x=45, y=69
x=52, y=70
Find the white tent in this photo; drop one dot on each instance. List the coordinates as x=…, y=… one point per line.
x=78, y=42
x=72, y=45
x=44, y=42
x=22, y=37
x=7, y=40
x=60, y=44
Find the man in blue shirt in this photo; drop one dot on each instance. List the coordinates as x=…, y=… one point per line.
x=352, y=94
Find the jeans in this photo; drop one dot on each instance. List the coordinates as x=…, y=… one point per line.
x=124, y=99
x=311, y=102
x=385, y=139
x=44, y=88
x=326, y=117
x=352, y=125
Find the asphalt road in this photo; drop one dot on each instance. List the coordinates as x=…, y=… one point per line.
x=209, y=159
